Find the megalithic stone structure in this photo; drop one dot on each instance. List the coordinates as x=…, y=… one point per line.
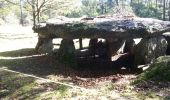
x=114, y=29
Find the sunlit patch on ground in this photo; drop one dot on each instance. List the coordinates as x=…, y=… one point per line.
x=17, y=37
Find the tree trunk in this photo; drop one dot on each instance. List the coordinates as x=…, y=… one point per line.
x=38, y=12
x=21, y=19
x=38, y=16
x=169, y=11
x=131, y=2
x=33, y=13
x=164, y=10
x=102, y=8
x=117, y=2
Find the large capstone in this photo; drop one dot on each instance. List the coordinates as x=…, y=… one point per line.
x=149, y=49
x=102, y=27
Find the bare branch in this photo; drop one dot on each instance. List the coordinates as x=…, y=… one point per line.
x=43, y=4
x=12, y=2
x=30, y=3
x=26, y=9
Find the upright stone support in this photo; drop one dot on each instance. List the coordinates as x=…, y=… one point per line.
x=167, y=37
x=129, y=46
x=44, y=45
x=81, y=43
x=114, y=45
x=149, y=49
x=66, y=53
x=93, y=46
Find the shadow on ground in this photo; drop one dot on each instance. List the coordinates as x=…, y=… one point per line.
x=27, y=61
x=18, y=53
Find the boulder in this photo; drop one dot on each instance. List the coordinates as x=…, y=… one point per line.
x=98, y=49
x=167, y=37
x=114, y=45
x=149, y=49
x=129, y=46
x=159, y=70
x=44, y=45
x=66, y=53
x=93, y=46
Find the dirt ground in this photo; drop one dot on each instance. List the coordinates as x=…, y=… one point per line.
x=17, y=54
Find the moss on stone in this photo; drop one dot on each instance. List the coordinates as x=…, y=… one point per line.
x=159, y=70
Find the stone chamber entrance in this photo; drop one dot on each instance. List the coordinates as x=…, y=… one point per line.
x=103, y=55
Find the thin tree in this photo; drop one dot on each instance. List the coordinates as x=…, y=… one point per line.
x=164, y=8
x=117, y=2
x=169, y=11
x=37, y=6
x=21, y=14
x=21, y=9
x=156, y=4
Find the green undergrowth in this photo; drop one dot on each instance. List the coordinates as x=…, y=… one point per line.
x=159, y=70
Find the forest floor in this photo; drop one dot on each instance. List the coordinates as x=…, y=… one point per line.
x=25, y=74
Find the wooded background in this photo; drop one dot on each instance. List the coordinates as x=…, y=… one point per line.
x=27, y=12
